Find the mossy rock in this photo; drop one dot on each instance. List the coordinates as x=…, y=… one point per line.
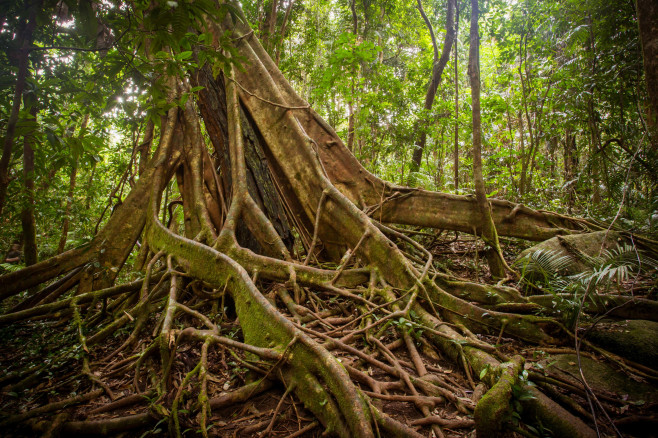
x=578, y=247
x=636, y=340
x=602, y=377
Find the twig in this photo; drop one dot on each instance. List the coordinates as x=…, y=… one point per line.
x=267, y=431
x=309, y=427
x=349, y=256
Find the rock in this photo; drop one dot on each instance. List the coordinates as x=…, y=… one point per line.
x=577, y=246
x=636, y=340
x=601, y=377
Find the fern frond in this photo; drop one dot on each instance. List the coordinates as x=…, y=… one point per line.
x=546, y=268
x=546, y=263
x=10, y=267
x=615, y=266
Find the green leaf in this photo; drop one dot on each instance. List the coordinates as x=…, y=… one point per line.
x=184, y=55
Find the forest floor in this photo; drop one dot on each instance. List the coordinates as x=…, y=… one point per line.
x=632, y=405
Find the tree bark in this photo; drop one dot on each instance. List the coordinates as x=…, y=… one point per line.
x=593, y=120
x=144, y=148
x=325, y=192
x=67, y=210
x=267, y=32
x=524, y=169
x=351, y=101
x=525, y=156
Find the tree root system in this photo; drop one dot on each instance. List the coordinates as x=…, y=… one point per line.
x=288, y=292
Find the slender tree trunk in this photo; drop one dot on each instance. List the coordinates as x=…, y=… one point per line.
x=487, y=229
x=89, y=185
x=380, y=54
x=28, y=222
x=595, y=145
x=282, y=32
x=23, y=59
x=437, y=71
x=474, y=77
x=553, y=156
x=647, y=17
x=350, y=102
x=70, y=193
x=350, y=123
x=456, y=148
x=67, y=211
x=145, y=147
x=525, y=156
x=269, y=26
x=595, y=137
x=569, y=168
x=524, y=167
x=508, y=161
x=355, y=21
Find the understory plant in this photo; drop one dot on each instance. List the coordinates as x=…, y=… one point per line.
x=568, y=277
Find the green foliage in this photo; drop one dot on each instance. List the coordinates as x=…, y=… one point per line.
x=615, y=267
x=549, y=271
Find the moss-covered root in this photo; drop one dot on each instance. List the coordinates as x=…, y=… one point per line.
x=318, y=378
x=494, y=410
x=540, y=408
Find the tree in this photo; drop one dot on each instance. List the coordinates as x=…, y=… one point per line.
x=275, y=169
x=27, y=28
x=647, y=14
x=437, y=71
x=489, y=234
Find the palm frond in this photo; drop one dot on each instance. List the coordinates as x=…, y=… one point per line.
x=546, y=267
x=615, y=266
